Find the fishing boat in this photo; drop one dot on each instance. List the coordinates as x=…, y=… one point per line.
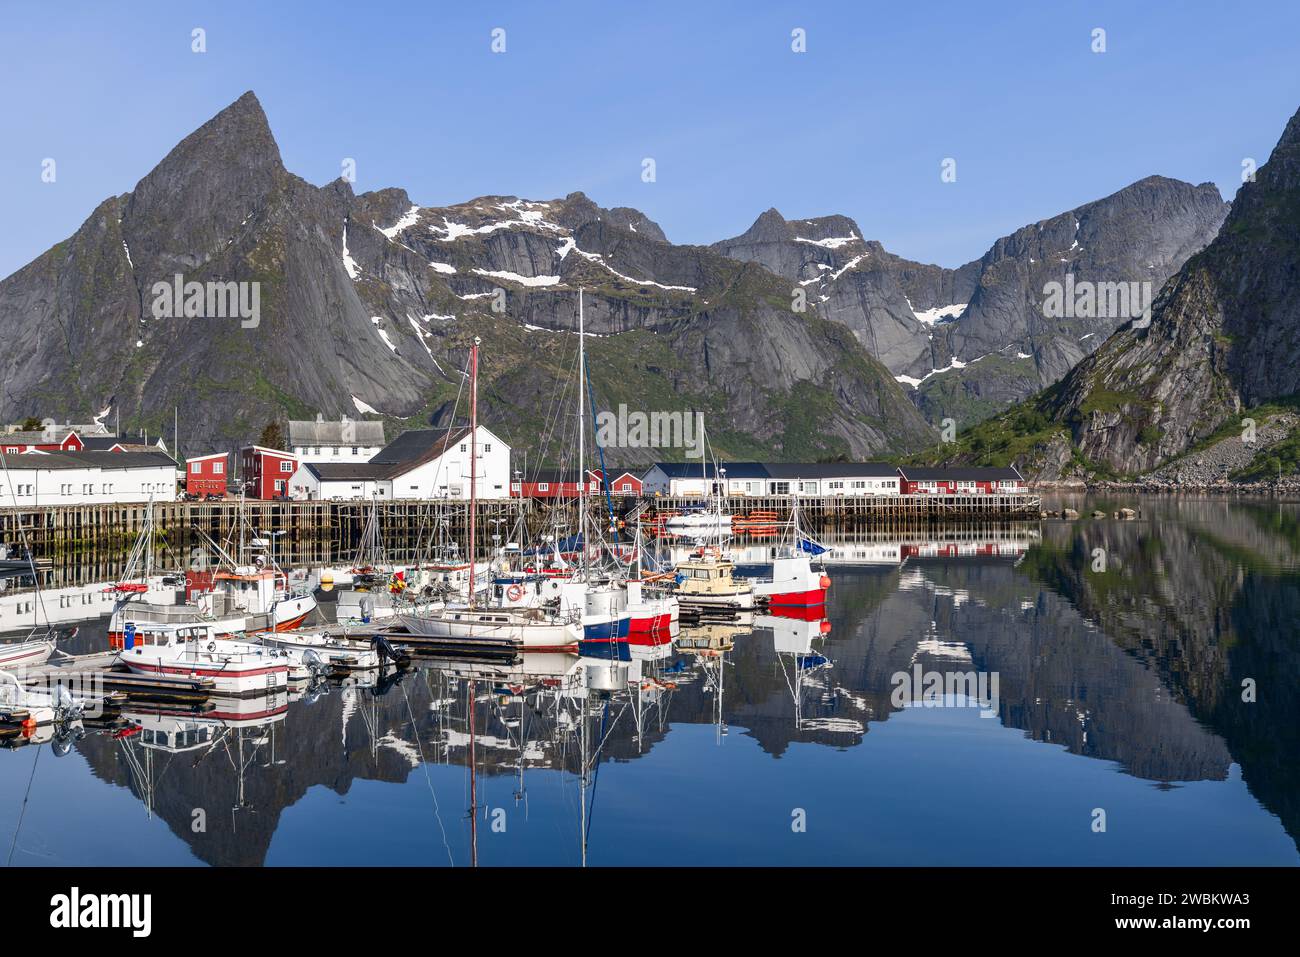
x=243, y=598
x=795, y=583
x=706, y=579
x=652, y=610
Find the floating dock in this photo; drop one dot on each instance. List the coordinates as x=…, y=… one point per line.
x=101, y=669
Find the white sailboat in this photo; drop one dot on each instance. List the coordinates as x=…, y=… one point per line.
x=530, y=628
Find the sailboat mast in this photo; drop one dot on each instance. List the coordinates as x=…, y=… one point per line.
x=582, y=438
x=473, y=461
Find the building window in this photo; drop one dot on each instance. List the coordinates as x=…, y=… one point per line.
x=279, y=485
x=196, y=468
x=218, y=468
x=355, y=450
x=543, y=486
x=462, y=446
x=625, y=487
x=286, y=467
x=487, y=447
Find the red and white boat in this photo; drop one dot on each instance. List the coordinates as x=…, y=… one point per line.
x=246, y=598
x=236, y=668
x=25, y=654
x=652, y=616
x=794, y=582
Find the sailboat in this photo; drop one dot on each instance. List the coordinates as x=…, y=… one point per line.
x=31, y=651
x=533, y=629
x=794, y=582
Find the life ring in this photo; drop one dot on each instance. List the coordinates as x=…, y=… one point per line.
x=212, y=646
x=515, y=592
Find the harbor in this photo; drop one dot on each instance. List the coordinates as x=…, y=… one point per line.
x=582, y=759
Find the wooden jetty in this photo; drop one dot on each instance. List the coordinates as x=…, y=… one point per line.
x=848, y=512
x=103, y=671
x=329, y=532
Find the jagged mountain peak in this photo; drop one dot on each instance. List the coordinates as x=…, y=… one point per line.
x=833, y=231
x=368, y=303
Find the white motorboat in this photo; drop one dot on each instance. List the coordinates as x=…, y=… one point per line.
x=328, y=649
x=235, y=667
x=25, y=654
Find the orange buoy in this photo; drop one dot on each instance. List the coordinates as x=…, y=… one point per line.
x=826, y=627
x=826, y=582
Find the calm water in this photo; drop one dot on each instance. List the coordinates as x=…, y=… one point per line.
x=1119, y=649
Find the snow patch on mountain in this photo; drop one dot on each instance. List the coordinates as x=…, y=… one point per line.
x=408, y=220
x=516, y=278
x=349, y=263
x=834, y=242
x=940, y=314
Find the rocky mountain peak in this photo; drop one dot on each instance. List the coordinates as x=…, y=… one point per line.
x=1224, y=335
x=211, y=183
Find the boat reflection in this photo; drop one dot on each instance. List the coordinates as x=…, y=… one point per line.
x=1139, y=666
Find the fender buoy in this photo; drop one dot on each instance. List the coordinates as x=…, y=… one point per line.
x=515, y=592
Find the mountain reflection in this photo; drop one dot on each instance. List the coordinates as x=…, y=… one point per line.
x=1137, y=657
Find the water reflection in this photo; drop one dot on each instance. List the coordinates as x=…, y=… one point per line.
x=1136, y=662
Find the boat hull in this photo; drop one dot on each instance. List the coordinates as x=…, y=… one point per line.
x=231, y=674
x=485, y=627
x=25, y=654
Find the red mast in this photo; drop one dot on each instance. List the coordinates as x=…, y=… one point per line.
x=473, y=461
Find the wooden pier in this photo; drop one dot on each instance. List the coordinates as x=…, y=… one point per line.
x=848, y=512
x=318, y=532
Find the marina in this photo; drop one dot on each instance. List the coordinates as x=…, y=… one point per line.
x=762, y=710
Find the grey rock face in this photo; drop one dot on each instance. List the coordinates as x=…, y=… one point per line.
x=1225, y=334
x=370, y=302
x=918, y=318
x=1143, y=234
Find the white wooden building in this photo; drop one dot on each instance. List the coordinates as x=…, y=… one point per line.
x=420, y=464
x=346, y=440
x=87, y=478
x=757, y=479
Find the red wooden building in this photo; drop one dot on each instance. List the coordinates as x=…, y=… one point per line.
x=555, y=483
x=266, y=472
x=207, y=474
x=58, y=439
x=960, y=481
x=626, y=483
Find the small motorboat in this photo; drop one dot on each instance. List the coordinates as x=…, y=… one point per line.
x=235, y=667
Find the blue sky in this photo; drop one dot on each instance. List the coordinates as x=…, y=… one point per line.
x=735, y=121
